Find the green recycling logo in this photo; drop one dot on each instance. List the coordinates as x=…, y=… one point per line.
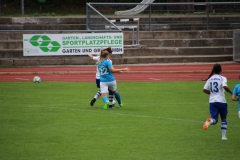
x=45, y=43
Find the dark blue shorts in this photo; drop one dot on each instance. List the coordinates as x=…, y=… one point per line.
x=218, y=108
x=98, y=83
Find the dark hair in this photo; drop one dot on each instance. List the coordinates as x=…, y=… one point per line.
x=217, y=69
x=109, y=49
x=104, y=54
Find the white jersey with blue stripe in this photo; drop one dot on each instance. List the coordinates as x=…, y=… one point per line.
x=105, y=73
x=215, y=85
x=96, y=58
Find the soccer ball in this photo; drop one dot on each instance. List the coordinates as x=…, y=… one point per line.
x=113, y=102
x=36, y=79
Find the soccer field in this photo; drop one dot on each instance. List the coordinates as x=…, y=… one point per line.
x=159, y=120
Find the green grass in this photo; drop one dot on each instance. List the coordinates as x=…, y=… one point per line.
x=159, y=120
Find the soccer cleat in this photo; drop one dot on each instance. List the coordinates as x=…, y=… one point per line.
x=106, y=105
x=92, y=101
x=224, y=138
x=206, y=124
x=111, y=106
x=121, y=105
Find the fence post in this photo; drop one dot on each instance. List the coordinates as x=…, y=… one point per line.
x=207, y=16
x=87, y=20
x=138, y=32
x=22, y=7
x=150, y=19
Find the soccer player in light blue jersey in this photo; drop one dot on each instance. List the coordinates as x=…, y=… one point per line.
x=98, y=93
x=107, y=79
x=215, y=87
x=236, y=96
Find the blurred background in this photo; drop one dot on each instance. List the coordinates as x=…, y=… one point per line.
x=78, y=7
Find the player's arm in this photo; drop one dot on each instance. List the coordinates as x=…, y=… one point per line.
x=227, y=89
x=234, y=94
x=93, y=57
x=118, y=70
x=205, y=88
x=224, y=84
x=111, y=68
x=206, y=91
x=234, y=97
x=89, y=55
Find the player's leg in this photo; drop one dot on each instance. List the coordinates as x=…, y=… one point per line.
x=110, y=97
x=239, y=109
x=223, y=114
x=104, y=92
x=224, y=129
x=105, y=100
x=118, y=97
x=113, y=87
x=214, y=116
x=98, y=94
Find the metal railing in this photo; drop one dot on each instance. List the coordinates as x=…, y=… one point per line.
x=138, y=9
x=134, y=28
x=95, y=20
x=93, y=16
x=205, y=9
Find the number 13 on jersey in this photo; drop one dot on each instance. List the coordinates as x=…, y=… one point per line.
x=214, y=87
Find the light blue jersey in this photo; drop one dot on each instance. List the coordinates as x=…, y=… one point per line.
x=236, y=91
x=105, y=73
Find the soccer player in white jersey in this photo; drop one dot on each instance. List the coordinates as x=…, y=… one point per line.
x=98, y=94
x=236, y=96
x=107, y=79
x=215, y=86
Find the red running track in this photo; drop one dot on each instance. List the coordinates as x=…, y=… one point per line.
x=181, y=72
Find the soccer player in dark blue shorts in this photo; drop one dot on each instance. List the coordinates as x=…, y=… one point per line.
x=215, y=87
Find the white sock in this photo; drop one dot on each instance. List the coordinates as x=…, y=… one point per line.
x=224, y=128
x=224, y=133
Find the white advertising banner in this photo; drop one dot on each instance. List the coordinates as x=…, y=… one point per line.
x=71, y=44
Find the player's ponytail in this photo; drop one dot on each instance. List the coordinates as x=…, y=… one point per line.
x=103, y=55
x=217, y=69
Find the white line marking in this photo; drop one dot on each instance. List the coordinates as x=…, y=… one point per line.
x=22, y=79
x=132, y=115
x=155, y=79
